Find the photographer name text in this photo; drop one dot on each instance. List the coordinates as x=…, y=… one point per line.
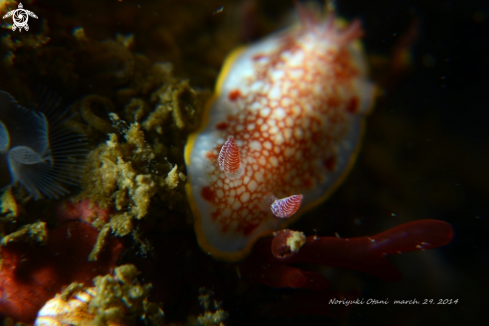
x=362, y=301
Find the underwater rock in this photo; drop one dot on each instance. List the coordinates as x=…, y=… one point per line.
x=31, y=275
x=36, y=150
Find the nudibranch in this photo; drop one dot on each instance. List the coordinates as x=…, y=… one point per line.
x=280, y=134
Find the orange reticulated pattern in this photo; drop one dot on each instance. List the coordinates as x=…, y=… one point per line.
x=293, y=114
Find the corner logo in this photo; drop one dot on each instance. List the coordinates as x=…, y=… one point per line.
x=20, y=17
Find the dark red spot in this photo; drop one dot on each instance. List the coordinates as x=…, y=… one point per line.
x=249, y=229
x=208, y=194
x=257, y=57
x=352, y=106
x=330, y=163
x=222, y=126
x=211, y=156
x=234, y=94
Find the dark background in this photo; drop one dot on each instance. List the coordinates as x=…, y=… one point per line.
x=425, y=156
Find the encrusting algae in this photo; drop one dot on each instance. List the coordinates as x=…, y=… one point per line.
x=124, y=176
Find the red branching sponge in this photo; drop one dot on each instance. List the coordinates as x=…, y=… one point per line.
x=31, y=275
x=366, y=254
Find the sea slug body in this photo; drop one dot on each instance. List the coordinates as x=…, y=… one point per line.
x=285, y=122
